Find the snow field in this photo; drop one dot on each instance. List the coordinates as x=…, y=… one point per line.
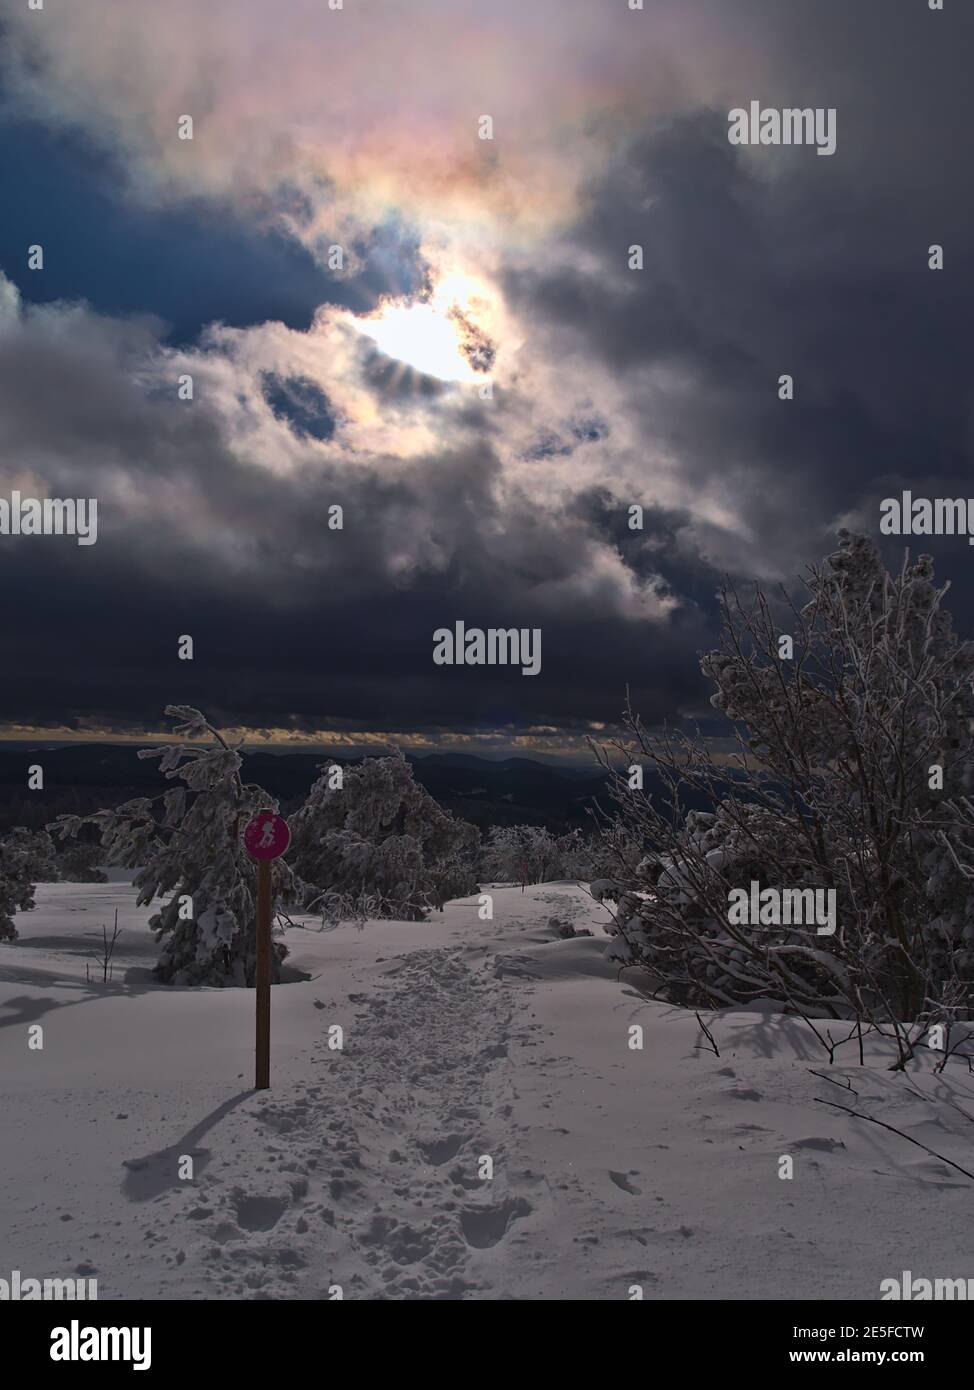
x=614, y=1168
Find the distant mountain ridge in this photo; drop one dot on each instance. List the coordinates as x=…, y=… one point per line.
x=86, y=776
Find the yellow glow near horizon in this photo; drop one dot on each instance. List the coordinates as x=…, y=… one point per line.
x=424, y=335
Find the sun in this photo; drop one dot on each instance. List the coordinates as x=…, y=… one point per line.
x=421, y=337
x=430, y=335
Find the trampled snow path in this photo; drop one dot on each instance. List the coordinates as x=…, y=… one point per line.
x=391, y=1204
x=360, y=1169
x=463, y=1040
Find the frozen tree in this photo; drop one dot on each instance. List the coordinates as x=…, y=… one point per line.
x=371, y=842
x=81, y=863
x=25, y=860
x=532, y=854
x=853, y=721
x=573, y=856
x=36, y=849
x=186, y=845
x=611, y=855
x=518, y=854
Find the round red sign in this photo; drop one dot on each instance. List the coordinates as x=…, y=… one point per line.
x=267, y=836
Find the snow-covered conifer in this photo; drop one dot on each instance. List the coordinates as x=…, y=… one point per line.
x=81, y=863
x=36, y=849
x=186, y=845
x=379, y=845
x=26, y=858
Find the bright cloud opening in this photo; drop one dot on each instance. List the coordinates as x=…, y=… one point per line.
x=431, y=336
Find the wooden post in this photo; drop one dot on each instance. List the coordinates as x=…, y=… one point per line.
x=265, y=838
x=263, y=1049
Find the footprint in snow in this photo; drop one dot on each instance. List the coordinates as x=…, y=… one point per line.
x=486, y=1226
x=621, y=1180
x=259, y=1213
x=437, y=1151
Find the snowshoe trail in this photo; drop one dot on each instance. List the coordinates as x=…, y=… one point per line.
x=381, y=1171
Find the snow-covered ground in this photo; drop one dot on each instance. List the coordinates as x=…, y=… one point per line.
x=463, y=1040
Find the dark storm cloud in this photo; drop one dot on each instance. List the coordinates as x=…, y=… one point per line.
x=663, y=545
x=315, y=628
x=294, y=624
x=789, y=263
x=792, y=263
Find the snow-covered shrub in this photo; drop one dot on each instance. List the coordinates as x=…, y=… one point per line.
x=603, y=888
x=81, y=863
x=853, y=758
x=21, y=858
x=371, y=842
x=573, y=857
x=186, y=844
x=531, y=854
x=36, y=849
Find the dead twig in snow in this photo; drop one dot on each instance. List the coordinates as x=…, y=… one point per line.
x=857, y=1114
x=709, y=1036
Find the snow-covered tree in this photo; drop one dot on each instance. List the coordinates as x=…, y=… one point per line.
x=371, y=842
x=186, y=845
x=36, y=849
x=854, y=754
x=574, y=856
x=532, y=854
x=81, y=863
x=26, y=859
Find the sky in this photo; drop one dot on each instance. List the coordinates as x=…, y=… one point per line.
x=479, y=380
